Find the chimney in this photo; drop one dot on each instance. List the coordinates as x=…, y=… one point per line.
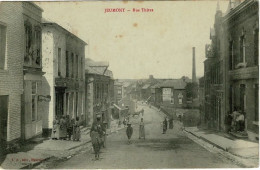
x=193, y=65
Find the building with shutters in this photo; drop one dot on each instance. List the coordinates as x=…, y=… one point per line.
x=64, y=64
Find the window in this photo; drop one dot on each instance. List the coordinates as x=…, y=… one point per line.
x=242, y=49
x=34, y=101
x=231, y=54
x=2, y=46
x=76, y=104
x=38, y=41
x=76, y=66
x=256, y=102
x=59, y=61
x=242, y=97
x=172, y=100
x=67, y=103
x=81, y=72
x=28, y=42
x=256, y=45
x=72, y=65
x=180, y=97
x=67, y=64
x=180, y=100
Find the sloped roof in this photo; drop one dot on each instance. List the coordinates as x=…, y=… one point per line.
x=109, y=73
x=176, y=84
x=146, y=86
x=91, y=63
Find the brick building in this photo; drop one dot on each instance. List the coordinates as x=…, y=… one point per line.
x=99, y=91
x=213, y=75
x=11, y=70
x=231, y=68
x=64, y=81
x=118, y=91
x=20, y=71
x=241, y=53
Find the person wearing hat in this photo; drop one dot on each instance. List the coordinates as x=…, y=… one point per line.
x=100, y=128
x=129, y=132
x=165, y=124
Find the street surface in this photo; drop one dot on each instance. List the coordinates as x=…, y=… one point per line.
x=170, y=150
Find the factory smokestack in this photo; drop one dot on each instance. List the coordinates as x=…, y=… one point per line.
x=193, y=65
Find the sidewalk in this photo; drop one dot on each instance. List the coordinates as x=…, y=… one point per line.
x=241, y=148
x=49, y=149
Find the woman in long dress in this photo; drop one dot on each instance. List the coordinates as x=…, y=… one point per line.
x=141, y=129
x=56, y=129
x=76, y=130
x=63, y=128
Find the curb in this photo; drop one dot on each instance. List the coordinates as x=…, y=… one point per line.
x=206, y=140
x=225, y=153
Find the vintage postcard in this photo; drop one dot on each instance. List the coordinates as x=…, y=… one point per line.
x=129, y=84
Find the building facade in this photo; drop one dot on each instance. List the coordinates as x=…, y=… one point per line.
x=118, y=91
x=213, y=74
x=20, y=72
x=64, y=81
x=171, y=94
x=11, y=71
x=99, y=92
x=241, y=44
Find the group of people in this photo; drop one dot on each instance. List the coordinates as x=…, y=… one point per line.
x=65, y=128
x=236, y=121
x=165, y=124
x=129, y=130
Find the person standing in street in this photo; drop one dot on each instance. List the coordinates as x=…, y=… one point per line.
x=171, y=123
x=129, y=132
x=95, y=140
x=63, y=128
x=141, y=129
x=165, y=124
x=76, y=130
x=56, y=129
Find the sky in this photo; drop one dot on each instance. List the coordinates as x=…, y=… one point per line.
x=139, y=44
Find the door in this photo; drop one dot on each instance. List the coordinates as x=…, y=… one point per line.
x=59, y=103
x=3, y=120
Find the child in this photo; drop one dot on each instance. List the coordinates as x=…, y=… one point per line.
x=129, y=132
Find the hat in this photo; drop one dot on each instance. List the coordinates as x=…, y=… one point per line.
x=98, y=116
x=128, y=123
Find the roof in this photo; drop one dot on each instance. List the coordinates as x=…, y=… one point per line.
x=51, y=23
x=146, y=86
x=92, y=63
x=176, y=84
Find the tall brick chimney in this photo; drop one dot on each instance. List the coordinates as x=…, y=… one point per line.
x=193, y=65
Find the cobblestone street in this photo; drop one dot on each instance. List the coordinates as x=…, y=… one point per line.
x=170, y=150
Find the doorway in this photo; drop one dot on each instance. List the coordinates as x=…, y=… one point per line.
x=3, y=120
x=59, y=102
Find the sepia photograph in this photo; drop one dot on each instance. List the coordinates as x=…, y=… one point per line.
x=116, y=84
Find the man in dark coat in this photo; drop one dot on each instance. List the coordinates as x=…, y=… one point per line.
x=129, y=132
x=165, y=124
x=100, y=129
